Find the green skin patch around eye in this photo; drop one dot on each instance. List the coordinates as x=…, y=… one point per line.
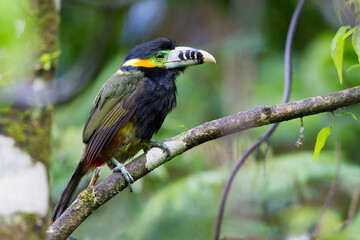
x=159, y=62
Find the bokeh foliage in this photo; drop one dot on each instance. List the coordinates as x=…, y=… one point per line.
x=281, y=196
x=18, y=25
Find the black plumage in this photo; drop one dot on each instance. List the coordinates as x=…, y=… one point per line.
x=130, y=107
x=157, y=99
x=145, y=50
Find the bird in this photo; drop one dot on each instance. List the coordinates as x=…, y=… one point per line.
x=130, y=108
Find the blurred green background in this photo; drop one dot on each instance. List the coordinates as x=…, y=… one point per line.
x=282, y=195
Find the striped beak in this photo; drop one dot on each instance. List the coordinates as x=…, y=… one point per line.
x=186, y=56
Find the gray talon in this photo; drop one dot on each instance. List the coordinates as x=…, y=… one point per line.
x=121, y=168
x=161, y=145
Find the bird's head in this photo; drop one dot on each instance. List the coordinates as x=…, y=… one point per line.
x=163, y=55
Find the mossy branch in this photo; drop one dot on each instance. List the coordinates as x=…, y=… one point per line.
x=91, y=199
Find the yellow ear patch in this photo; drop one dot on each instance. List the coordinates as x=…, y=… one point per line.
x=140, y=63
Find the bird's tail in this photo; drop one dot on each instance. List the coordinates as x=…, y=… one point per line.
x=69, y=190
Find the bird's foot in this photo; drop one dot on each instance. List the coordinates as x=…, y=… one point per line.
x=121, y=168
x=94, y=178
x=92, y=183
x=158, y=144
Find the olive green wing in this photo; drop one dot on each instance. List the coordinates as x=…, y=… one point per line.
x=113, y=107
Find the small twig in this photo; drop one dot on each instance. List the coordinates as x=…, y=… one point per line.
x=260, y=156
x=300, y=140
x=353, y=205
x=352, y=209
x=266, y=136
x=94, y=178
x=331, y=192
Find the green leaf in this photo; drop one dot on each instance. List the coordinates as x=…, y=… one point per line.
x=183, y=127
x=356, y=41
x=350, y=113
x=348, y=33
x=47, y=66
x=320, y=141
x=337, y=49
x=353, y=67
x=55, y=54
x=47, y=58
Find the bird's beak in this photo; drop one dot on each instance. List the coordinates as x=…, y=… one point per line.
x=186, y=56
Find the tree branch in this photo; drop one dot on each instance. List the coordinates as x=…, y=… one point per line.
x=91, y=199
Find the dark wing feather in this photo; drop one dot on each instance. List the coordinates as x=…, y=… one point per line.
x=113, y=108
x=115, y=119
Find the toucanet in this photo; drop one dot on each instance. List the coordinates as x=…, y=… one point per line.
x=129, y=108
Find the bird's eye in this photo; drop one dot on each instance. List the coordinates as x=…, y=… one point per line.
x=159, y=56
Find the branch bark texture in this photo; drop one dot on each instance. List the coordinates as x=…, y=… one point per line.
x=91, y=199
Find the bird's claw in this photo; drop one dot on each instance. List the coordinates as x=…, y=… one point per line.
x=121, y=168
x=158, y=144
